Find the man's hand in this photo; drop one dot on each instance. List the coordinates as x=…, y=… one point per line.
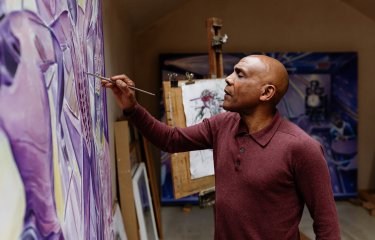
x=125, y=97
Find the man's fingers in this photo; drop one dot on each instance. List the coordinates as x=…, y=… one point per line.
x=123, y=86
x=129, y=82
x=116, y=90
x=122, y=77
x=107, y=84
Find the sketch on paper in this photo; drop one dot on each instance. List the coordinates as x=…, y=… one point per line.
x=201, y=100
x=53, y=124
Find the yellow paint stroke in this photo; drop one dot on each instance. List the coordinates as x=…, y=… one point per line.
x=30, y=5
x=12, y=192
x=82, y=4
x=56, y=169
x=76, y=169
x=103, y=140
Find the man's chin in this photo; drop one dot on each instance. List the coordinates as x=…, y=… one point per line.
x=226, y=107
x=230, y=108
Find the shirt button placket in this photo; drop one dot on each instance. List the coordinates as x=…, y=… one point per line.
x=237, y=163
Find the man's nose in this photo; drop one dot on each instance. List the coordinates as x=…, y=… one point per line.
x=229, y=79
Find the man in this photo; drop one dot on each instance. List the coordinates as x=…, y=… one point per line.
x=266, y=168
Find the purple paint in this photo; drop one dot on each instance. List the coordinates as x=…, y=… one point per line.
x=45, y=105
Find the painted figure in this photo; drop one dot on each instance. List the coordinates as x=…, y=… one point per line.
x=211, y=104
x=315, y=102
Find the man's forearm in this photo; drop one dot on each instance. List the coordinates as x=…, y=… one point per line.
x=167, y=138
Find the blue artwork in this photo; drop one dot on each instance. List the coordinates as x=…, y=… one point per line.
x=321, y=99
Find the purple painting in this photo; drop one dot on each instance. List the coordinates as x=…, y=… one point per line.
x=55, y=178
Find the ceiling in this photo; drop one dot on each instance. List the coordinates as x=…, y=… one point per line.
x=366, y=7
x=142, y=13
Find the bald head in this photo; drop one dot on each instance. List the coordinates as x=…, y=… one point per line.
x=273, y=73
x=257, y=83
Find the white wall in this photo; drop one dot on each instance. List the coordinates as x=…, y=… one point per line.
x=272, y=25
x=118, y=49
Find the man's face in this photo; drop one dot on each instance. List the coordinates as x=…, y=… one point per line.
x=244, y=85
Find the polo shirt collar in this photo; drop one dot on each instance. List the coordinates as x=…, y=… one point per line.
x=264, y=136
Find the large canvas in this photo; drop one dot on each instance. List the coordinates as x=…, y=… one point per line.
x=321, y=99
x=54, y=156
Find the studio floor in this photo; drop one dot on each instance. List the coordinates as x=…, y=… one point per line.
x=197, y=224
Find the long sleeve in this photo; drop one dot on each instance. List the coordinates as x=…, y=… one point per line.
x=171, y=139
x=314, y=183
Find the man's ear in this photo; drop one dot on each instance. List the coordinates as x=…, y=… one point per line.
x=268, y=91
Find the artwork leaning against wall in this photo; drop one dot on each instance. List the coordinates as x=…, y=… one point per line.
x=55, y=178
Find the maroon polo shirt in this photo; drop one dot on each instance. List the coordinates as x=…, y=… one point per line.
x=263, y=180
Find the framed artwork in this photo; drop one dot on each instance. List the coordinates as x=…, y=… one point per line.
x=125, y=193
x=322, y=99
x=143, y=204
x=135, y=156
x=153, y=184
x=54, y=146
x=118, y=224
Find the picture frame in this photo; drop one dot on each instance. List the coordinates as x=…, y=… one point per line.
x=143, y=204
x=118, y=223
x=134, y=156
x=153, y=184
x=125, y=179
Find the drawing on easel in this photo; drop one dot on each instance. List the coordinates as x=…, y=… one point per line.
x=208, y=104
x=202, y=100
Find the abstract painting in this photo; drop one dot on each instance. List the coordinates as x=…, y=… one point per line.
x=322, y=99
x=55, y=178
x=201, y=100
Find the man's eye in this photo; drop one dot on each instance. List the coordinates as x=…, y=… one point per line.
x=240, y=75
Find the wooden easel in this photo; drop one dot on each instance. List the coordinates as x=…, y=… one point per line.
x=215, y=56
x=215, y=50
x=183, y=185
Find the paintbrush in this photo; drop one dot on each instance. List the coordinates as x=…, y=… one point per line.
x=113, y=82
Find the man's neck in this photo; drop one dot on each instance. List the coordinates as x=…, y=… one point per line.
x=257, y=120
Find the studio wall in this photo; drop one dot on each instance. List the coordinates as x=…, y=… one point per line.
x=119, y=59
